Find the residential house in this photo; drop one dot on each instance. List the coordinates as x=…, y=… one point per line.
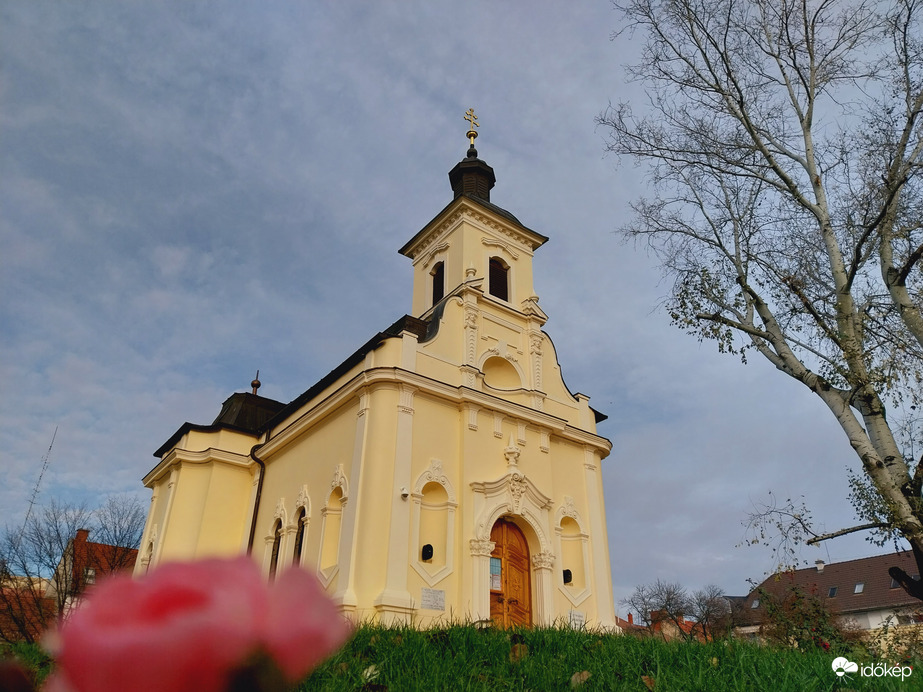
x=83, y=563
x=859, y=591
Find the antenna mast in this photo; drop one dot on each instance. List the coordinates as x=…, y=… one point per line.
x=39, y=481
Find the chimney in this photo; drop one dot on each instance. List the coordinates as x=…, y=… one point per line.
x=83, y=535
x=631, y=619
x=819, y=564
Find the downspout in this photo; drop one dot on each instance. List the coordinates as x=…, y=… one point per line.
x=259, y=492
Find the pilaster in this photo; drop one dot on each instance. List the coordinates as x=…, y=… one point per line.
x=395, y=604
x=602, y=578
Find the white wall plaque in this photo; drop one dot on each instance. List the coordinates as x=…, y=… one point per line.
x=577, y=619
x=432, y=599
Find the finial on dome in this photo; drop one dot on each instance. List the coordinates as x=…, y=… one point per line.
x=472, y=133
x=256, y=382
x=471, y=176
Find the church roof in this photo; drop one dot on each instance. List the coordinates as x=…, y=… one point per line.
x=242, y=411
x=246, y=411
x=251, y=413
x=406, y=323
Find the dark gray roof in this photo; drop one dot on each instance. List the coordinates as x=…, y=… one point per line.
x=246, y=411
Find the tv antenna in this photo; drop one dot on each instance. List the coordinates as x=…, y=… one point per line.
x=41, y=474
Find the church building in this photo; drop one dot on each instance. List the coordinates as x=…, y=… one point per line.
x=443, y=472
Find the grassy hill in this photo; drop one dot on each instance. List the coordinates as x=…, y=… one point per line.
x=468, y=658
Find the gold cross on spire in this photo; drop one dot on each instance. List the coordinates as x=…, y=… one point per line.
x=473, y=119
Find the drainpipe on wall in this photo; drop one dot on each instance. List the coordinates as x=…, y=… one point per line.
x=259, y=492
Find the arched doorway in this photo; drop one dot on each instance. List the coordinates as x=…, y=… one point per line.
x=510, y=582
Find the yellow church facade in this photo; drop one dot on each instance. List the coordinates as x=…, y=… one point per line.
x=442, y=472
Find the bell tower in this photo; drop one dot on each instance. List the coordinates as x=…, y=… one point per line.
x=473, y=242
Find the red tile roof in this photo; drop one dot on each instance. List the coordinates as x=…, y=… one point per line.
x=100, y=557
x=872, y=572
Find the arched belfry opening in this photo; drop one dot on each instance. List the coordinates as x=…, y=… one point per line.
x=438, y=277
x=498, y=278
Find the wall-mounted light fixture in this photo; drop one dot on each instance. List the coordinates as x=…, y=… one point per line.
x=568, y=577
x=427, y=553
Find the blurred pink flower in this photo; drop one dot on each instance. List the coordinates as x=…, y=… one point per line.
x=195, y=626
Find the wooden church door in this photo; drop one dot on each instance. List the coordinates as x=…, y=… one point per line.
x=510, y=583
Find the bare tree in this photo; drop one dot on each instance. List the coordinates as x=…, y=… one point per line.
x=784, y=140
x=659, y=602
x=38, y=580
x=689, y=616
x=34, y=591
x=710, y=610
x=119, y=522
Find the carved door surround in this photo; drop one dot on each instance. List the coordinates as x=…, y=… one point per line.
x=513, y=497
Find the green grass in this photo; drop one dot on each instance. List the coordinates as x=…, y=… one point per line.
x=464, y=657
x=30, y=657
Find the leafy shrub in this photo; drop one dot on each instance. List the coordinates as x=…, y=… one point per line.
x=802, y=619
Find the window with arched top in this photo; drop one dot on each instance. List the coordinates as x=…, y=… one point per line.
x=498, y=279
x=299, y=536
x=438, y=276
x=276, y=545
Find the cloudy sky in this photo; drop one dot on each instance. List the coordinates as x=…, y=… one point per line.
x=190, y=192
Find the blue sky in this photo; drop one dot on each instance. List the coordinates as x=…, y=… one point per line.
x=190, y=192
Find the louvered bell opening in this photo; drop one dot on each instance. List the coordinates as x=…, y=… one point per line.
x=498, y=280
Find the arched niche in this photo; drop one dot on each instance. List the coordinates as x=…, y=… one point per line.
x=500, y=373
x=328, y=557
x=433, y=524
x=572, y=547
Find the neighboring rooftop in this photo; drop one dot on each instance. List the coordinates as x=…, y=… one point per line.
x=849, y=587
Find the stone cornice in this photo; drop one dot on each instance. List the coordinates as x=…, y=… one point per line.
x=464, y=208
x=526, y=241
x=178, y=456
x=393, y=377
x=419, y=247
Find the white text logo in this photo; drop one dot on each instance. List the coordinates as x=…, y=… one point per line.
x=842, y=666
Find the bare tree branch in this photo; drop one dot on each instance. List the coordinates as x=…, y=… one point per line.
x=843, y=532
